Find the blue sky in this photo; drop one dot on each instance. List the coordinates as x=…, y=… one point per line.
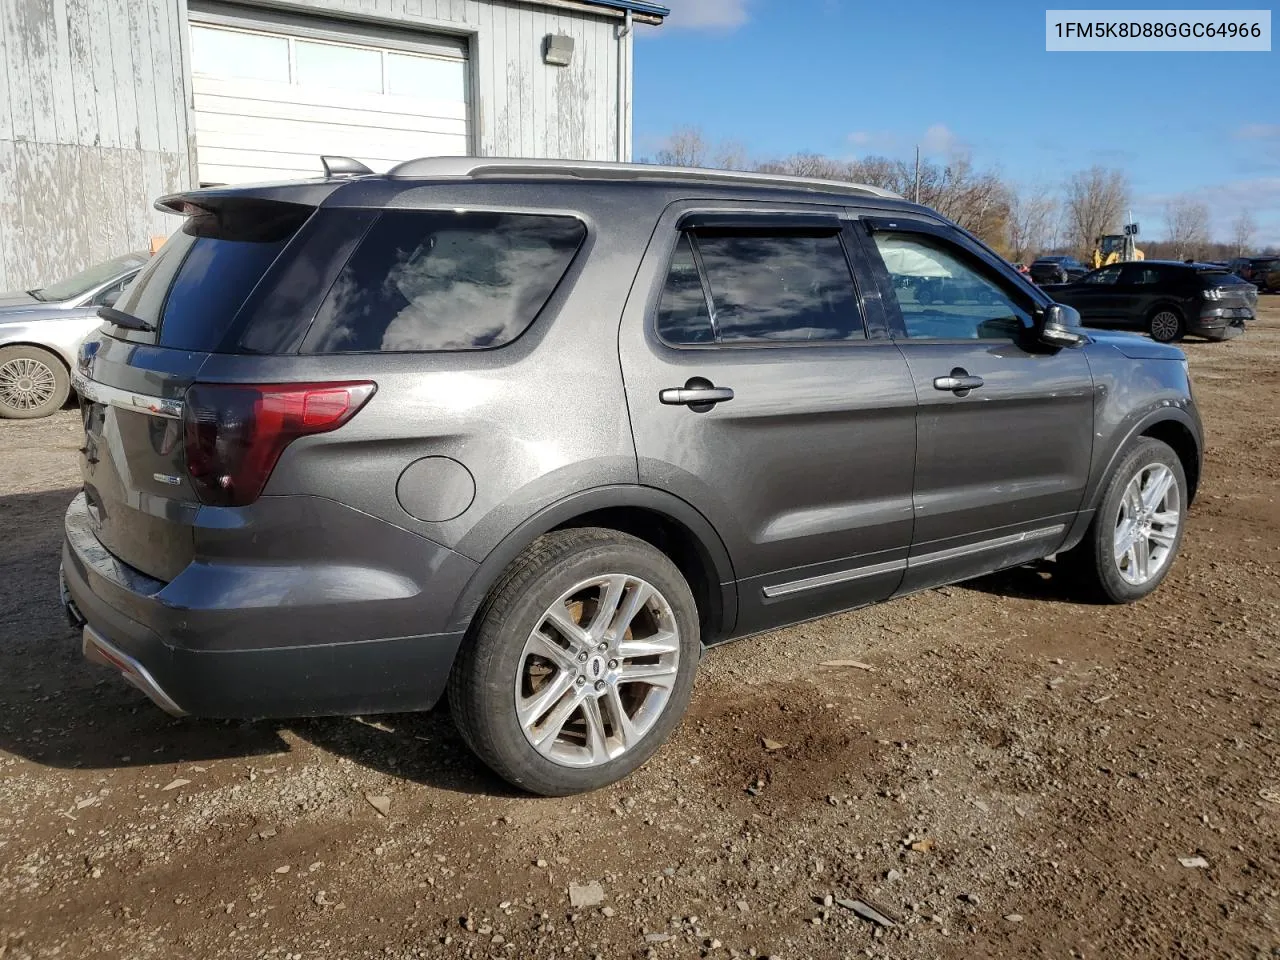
x=853, y=77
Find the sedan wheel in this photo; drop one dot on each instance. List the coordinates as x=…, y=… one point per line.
x=33, y=383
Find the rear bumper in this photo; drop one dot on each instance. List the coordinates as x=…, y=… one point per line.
x=257, y=672
x=1220, y=323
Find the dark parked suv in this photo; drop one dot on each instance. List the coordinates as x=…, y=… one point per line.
x=1166, y=298
x=537, y=434
x=1057, y=269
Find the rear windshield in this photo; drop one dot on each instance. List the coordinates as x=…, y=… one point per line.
x=425, y=280
x=200, y=279
x=1219, y=278
x=95, y=276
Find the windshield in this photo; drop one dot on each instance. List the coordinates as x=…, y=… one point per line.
x=87, y=280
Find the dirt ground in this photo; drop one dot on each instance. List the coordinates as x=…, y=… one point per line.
x=1017, y=776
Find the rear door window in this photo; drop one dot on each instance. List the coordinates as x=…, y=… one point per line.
x=1140, y=276
x=436, y=280
x=683, y=313
x=761, y=287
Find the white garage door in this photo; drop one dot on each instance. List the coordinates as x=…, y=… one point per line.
x=272, y=96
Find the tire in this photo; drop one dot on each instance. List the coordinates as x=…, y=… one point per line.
x=503, y=688
x=33, y=383
x=1165, y=324
x=1095, y=562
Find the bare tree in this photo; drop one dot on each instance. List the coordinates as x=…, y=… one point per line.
x=731, y=155
x=686, y=147
x=1243, y=230
x=1033, y=217
x=1188, y=223
x=1095, y=204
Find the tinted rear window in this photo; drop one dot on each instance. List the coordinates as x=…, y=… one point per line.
x=763, y=287
x=438, y=280
x=196, y=285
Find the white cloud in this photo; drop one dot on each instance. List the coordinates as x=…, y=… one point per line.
x=1260, y=195
x=1258, y=131
x=866, y=141
x=708, y=14
x=940, y=139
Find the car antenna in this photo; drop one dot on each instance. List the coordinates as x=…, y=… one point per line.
x=343, y=167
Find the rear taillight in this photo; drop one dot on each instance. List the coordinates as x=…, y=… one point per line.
x=235, y=433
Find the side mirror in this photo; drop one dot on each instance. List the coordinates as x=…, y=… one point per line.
x=1059, y=326
x=109, y=298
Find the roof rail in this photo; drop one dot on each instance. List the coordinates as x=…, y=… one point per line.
x=444, y=168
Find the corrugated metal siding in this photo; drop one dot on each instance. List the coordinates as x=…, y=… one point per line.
x=95, y=122
x=524, y=107
x=93, y=125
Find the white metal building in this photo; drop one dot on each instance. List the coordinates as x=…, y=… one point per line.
x=105, y=105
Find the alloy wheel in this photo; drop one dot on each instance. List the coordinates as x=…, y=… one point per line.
x=1164, y=326
x=1147, y=524
x=597, y=670
x=26, y=384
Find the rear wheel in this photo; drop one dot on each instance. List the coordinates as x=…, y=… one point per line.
x=33, y=383
x=1165, y=325
x=580, y=664
x=1135, y=535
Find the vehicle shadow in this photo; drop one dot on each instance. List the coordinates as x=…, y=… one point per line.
x=1042, y=580
x=422, y=747
x=61, y=711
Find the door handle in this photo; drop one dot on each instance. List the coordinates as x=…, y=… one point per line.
x=695, y=396
x=959, y=382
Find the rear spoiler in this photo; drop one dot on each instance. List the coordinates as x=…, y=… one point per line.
x=304, y=193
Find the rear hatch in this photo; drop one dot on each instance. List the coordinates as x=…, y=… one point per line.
x=1226, y=291
x=133, y=376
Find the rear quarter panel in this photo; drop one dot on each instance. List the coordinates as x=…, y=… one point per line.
x=61, y=332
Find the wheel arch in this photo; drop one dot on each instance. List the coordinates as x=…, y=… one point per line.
x=1170, y=425
x=52, y=351
x=1166, y=304
x=661, y=519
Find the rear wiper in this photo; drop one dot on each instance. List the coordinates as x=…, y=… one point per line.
x=126, y=320
x=35, y=295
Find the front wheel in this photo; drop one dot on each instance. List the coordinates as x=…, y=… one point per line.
x=1135, y=535
x=580, y=664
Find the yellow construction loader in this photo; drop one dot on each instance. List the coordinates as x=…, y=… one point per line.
x=1117, y=247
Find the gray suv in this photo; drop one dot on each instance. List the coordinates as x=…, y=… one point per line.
x=537, y=434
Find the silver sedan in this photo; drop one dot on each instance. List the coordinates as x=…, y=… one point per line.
x=42, y=329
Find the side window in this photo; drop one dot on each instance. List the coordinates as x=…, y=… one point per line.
x=430, y=280
x=1141, y=276
x=108, y=297
x=943, y=294
x=1104, y=277
x=683, y=316
x=763, y=287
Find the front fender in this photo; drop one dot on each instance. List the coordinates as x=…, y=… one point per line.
x=1137, y=425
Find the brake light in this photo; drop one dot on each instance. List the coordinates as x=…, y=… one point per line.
x=235, y=433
